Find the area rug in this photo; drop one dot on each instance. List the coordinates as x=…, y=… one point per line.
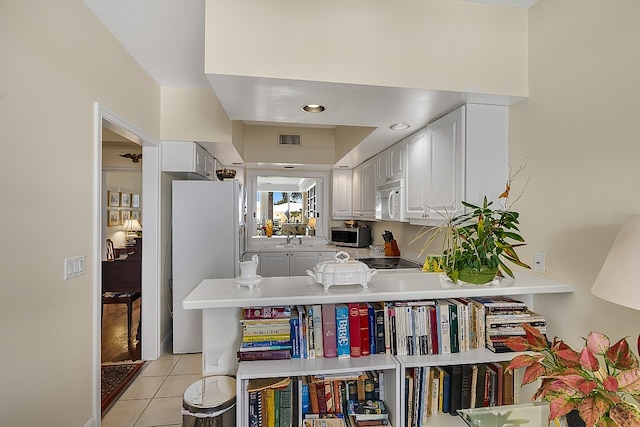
x=115, y=379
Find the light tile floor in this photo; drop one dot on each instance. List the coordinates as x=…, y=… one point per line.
x=155, y=397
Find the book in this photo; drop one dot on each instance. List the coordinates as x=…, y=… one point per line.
x=363, y=410
x=254, y=409
x=313, y=397
x=286, y=406
x=409, y=395
x=433, y=330
x=311, y=346
x=371, y=315
x=446, y=390
x=329, y=330
x=508, y=384
x=480, y=385
x=492, y=386
x=265, y=348
x=365, y=344
x=453, y=327
x=474, y=386
x=343, y=331
x=305, y=398
x=271, y=408
x=370, y=386
x=444, y=332
x=499, y=380
x=455, y=394
x=380, y=328
x=322, y=397
x=262, y=338
x=264, y=355
x=465, y=386
x=354, y=329
x=296, y=351
x=318, y=332
x=266, y=330
x=302, y=333
x=277, y=312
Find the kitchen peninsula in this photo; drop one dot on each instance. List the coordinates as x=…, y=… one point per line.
x=222, y=300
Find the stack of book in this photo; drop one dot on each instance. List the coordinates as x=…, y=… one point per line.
x=504, y=318
x=367, y=413
x=266, y=333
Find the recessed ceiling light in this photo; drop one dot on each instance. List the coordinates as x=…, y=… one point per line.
x=399, y=126
x=313, y=108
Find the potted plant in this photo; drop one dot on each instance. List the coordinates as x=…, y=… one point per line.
x=594, y=381
x=477, y=243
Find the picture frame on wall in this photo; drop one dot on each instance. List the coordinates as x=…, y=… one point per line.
x=125, y=200
x=135, y=215
x=113, y=198
x=124, y=215
x=113, y=218
x=135, y=200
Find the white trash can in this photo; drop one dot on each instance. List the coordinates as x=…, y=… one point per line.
x=210, y=402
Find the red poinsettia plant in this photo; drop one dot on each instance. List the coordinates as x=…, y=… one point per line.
x=595, y=381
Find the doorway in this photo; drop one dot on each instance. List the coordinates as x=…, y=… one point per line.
x=122, y=264
x=149, y=327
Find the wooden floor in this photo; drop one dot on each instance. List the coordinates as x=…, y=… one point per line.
x=114, y=333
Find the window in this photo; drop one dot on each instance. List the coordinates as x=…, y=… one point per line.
x=289, y=201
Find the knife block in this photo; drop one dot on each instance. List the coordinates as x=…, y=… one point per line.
x=391, y=248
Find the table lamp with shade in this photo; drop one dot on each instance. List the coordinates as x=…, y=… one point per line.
x=131, y=227
x=619, y=278
x=312, y=226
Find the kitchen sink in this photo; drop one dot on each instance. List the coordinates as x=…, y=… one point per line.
x=293, y=246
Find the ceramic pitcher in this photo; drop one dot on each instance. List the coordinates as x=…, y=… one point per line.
x=248, y=269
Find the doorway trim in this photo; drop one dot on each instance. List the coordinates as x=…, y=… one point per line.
x=150, y=312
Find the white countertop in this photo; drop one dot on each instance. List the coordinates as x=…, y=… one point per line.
x=387, y=285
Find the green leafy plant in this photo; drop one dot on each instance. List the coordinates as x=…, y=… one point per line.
x=477, y=243
x=595, y=381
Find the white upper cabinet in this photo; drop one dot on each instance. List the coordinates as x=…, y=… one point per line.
x=462, y=156
x=364, y=190
x=391, y=164
x=341, y=196
x=187, y=158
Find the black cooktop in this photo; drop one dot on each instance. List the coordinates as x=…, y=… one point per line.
x=389, y=263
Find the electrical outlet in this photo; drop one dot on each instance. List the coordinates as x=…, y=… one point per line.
x=538, y=262
x=74, y=267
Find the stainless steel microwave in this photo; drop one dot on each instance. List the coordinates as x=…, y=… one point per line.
x=354, y=237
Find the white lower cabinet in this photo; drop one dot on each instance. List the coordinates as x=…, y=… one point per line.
x=289, y=263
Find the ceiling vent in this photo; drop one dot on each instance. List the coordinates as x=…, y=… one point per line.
x=284, y=139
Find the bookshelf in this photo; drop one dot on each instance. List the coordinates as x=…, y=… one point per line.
x=221, y=301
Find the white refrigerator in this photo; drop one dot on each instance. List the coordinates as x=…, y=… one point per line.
x=208, y=239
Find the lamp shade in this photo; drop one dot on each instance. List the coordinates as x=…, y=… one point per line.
x=619, y=278
x=132, y=225
x=312, y=222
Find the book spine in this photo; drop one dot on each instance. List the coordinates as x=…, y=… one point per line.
x=365, y=344
x=318, y=332
x=311, y=333
x=265, y=348
x=354, y=329
x=378, y=312
x=257, y=332
x=313, y=397
x=329, y=330
x=253, y=409
x=444, y=336
x=263, y=338
x=295, y=337
x=271, y=409
x=254, y=344
x=279, y=312
x=264, y=355
x=373, y=343
x=342, y=331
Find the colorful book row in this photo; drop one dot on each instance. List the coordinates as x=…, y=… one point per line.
x=290, y=401
x=446, y=389
x=406, y=328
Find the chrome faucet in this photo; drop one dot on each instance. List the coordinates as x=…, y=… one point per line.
x=290, y=237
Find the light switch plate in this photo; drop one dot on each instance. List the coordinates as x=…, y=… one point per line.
x=74, y=267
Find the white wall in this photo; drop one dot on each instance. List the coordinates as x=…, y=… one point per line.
x=579, y=130
x=435, y=44
x=57, y=60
